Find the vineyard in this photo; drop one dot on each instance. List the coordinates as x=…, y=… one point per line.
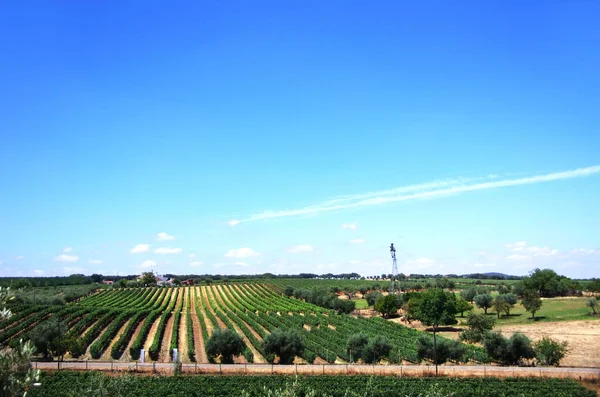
x=80, y=384
x=115, y=324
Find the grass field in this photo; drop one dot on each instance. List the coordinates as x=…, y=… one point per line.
x=361, y=303
x=554, y=309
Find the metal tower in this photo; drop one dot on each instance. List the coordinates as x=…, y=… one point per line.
x=394, y=270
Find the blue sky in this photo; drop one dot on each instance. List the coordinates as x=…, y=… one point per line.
x=299, y=136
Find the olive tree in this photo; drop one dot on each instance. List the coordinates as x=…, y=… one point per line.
x=226, y=344
x=532, y=302
x=16, y=374
x=284, y=344
x=550, y=352
x=484, y=301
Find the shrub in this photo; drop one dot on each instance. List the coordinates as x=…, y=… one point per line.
x=549, y=351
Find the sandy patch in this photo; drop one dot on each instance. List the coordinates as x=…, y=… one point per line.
x=582, y=337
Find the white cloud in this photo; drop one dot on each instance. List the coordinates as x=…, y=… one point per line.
x=140, y=248
x=583, y=251
x=196, y=263
x=66, y=258
x=167, y=250
x=517, y=257
x=38, y=272
x=67, y=249
x=303, y=248
x=19, y=257
x=521, y=251
x=420, y=263
x=73, y=270
x=241, y=264
x=162, y=236
x=192, y=256
x=351, y=226
x=95, y=261
x=422, y=191
x=147, y=264
x=357, y=241
x=239, y=253
x=233, y=222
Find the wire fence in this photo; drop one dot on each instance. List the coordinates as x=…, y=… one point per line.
x=322, y=369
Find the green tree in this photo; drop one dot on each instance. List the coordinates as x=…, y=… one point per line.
x=463, y=306
x=510, y=301
x=550, y=352
x=122, y=283
x=479, y=326
x=288, y=290
x=594, y=286
x=372, y=297
x=387, y=305
x=435, y=307
x=593, y=304
x=508, y=351
x=468, y=294
x=447, y=350
x=96, y=278
x=226, y=344
x=484, y=301
x=148, y=279
x=532, y=302
x=284, y=344
x=47, y=337
x=500, y=305
x=356, y=346
x=378, y=348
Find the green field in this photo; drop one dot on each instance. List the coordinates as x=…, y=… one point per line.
x=554, y=309
x=78, y=384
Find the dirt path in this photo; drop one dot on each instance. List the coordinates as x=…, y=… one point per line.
x=582, y=337
x=183, y=342
x=151, y=334
x=126, y=355
x=106, y=354
x=198, y=339
x=165, y=346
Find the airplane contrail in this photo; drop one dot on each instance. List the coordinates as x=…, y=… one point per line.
x=419, y=191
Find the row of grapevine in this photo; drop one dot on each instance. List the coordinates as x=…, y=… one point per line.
x=176, y=320
x=119, y=347
x=98, y=347
x=154, y=350
x=190, y=328
x=335, y=386
x=138, y=343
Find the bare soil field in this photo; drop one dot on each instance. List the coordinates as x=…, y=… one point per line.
x=582, y=337
x=183, y=342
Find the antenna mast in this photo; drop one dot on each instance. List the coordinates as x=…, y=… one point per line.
x=394, y=269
